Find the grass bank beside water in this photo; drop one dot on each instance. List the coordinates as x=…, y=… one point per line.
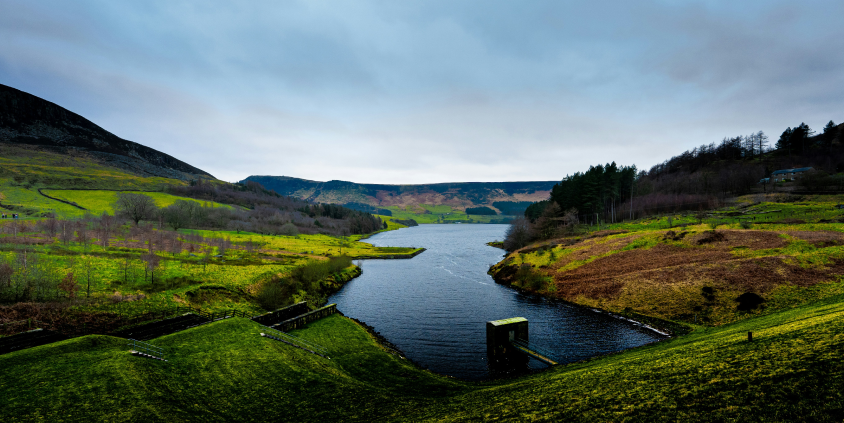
x=710, y=273
x=225, y=371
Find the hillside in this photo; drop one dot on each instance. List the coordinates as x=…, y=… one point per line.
x=29, y=120
x=758, y=254
x=513, y=197
x=225, y=371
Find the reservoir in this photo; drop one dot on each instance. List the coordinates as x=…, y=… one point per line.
x=435, y=306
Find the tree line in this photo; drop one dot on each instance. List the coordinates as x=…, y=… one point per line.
x=28, y=275
x=255, y=210
x=698, y=179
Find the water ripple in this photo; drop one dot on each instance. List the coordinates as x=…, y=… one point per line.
x=436, y=305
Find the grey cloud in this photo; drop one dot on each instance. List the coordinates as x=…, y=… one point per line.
x=384, y=91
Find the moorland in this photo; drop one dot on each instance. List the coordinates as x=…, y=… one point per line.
x=81, y=263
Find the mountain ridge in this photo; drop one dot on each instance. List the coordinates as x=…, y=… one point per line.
x=458, y=195
x=29, y=120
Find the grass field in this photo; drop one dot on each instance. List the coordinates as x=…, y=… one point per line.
x=188, y=270
x=31, y=168
x=100, y=201
x=426, y=213
x=29, y=203
x=23, y=170
x=319, y=244
x=225, y=371
x=772, y=211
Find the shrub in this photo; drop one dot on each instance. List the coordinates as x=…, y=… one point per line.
x=529, y=278
x=749, y=301
x=288, y=229
x=279, y=292
x=271, y=295
x=518, y=234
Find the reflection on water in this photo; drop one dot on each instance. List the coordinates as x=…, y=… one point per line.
x=435, y=306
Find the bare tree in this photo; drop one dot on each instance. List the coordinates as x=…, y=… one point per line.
x=14, y=228
x=223, y=244
x=50, y=226
x=175, y=244
x=570, y=220
x=547, y=223
x=206, y=258
x=6, y=272
x=66, y=234
x=762, y=142
x=175, y=216
x=135, y=207
x=106, y=226
x=82, y=237
x=88, y=272
x=152, y=264
x=518, y=234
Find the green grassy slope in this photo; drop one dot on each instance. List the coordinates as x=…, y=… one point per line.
x=23, y=170
x=30, y=167
x=790, y=372
x=786, y=253
x=225, y=371
x=99, y=201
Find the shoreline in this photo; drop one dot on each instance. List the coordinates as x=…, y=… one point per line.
x=662, y=327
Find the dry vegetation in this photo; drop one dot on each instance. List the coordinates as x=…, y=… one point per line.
x=696, y=275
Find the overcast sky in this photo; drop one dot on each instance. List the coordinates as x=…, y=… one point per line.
x=429, y=91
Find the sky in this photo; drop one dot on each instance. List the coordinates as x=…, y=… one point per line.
x=404, y=92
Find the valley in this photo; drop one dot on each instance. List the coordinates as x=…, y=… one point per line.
x=750, y=290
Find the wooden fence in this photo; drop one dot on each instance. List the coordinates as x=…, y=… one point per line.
x=299, y=321
x=282, y=314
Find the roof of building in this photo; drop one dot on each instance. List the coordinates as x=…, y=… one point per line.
x=799, y=169
x=508, y=321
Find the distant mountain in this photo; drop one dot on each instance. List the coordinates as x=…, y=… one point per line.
x=458, y=195
x=30, y=120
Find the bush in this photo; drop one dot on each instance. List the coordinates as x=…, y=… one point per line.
x=318, y=270
x=271, y=295
x=749, y=301
x=288, y=229
x=528, y=278
x=518, y=234
x=279, y=292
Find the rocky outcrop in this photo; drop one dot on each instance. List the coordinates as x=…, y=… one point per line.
x=30, y=120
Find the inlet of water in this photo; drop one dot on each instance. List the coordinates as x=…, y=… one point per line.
x=434, y=307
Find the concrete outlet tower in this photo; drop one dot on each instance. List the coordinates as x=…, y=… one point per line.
x=500, y=334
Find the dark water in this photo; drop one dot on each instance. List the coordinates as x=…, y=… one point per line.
x=435, y=306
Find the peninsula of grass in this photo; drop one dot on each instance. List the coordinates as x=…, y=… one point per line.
x=710, y=268
x=318, y=244
x=225, y=371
